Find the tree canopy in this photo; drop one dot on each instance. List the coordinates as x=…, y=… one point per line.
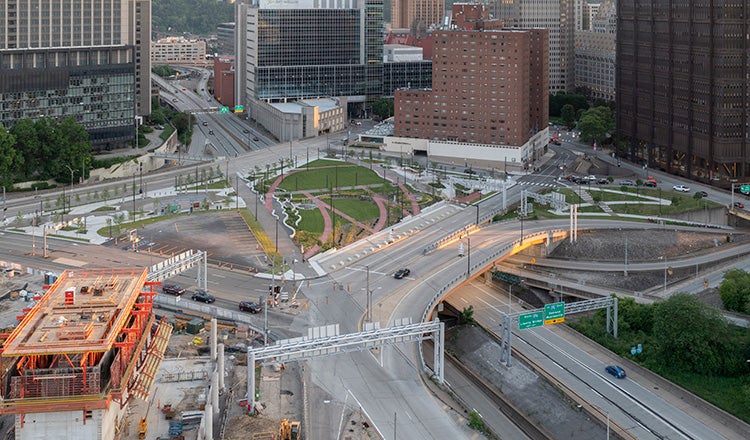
x=557, y=101
x=48, y=148
x=596, y=124
x=10, y=158
x=383, y=107
x=199, y=17
x=735, y=291
x=694, y=338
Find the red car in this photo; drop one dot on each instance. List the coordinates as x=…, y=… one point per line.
x=739, y=205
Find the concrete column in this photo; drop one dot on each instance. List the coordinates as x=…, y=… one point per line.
x=215, y=390
x=221, y=367
x=251, y=381
x=213, y=339
x=209, y=421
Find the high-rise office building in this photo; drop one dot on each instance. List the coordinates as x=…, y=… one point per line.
x=307, y=49
x=557, y=17
x=489, y=86
x=87, y=59
x=595, y=54
x=408, y=14
x=683, y=101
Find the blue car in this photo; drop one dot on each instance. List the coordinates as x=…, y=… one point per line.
x=616, y=371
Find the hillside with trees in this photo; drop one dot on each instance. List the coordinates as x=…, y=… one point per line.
x=191, y=16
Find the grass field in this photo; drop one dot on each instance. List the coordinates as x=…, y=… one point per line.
x=337, y=175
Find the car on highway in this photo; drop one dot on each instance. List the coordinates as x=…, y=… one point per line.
x=203, y=296
x=627, y=183
x=172, y=289
x=703, y=193
x=245, y=130
x=650, y=183
x=739, y=205
x=211, y=132
x=205, y=124
x=401, y=273
x=616, y=371
x=249, y=306
x=602, y=181
x=681, y=188
x=255, y=138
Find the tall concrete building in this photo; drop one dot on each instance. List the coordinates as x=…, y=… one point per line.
x=489, y=88
x=595, y=54
x=85, y=59
x=307, y=49
x=683, y=98
x=556, y=16
x=416, y=13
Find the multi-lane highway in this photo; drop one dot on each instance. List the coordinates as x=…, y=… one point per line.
x=388, y=385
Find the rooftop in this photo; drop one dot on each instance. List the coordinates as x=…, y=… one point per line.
x=83, y=311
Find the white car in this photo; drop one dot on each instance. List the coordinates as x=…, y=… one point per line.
x=681, y=188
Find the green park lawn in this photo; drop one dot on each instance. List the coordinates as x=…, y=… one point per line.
x=336, y=175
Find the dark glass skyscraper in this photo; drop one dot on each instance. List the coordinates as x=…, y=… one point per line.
x=312, y=49
x=683, y=103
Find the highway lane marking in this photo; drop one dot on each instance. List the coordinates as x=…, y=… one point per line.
x=621, y=390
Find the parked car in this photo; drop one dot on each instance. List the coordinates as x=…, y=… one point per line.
x=616, y=371
x=681, y=188
x=203, y=296
x=739, y=205
x=249, y=306
x=401, y=273
x=172, y=289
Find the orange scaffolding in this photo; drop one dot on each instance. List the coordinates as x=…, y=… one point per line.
x=79, y=347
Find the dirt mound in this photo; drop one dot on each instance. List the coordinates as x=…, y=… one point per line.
x=641, y=246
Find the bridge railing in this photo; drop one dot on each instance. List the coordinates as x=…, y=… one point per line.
x=483, y=263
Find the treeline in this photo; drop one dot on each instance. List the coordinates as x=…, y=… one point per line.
x=199, y=17
x=44, y=149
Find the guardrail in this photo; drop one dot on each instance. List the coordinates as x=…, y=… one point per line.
x=178, y=303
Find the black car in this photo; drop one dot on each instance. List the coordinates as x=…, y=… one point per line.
x=249, y=306
x=203, y=297
x=172, y=289
x=401, y=273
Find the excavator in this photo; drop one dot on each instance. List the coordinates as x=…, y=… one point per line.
x=289, y=430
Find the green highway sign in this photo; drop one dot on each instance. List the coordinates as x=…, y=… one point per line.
x=530, y=320
x=745, y=189
x=224, y=109
x=554, y=313
x=239, y=109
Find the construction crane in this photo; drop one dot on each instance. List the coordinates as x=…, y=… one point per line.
x=289, y=430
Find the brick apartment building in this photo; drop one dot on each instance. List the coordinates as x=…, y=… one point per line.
x=489, y=84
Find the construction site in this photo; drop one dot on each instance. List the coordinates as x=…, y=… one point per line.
x=89, y=346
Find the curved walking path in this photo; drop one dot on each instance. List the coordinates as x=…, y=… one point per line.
x=411, y=197
x=327, y=224
x=324, y=208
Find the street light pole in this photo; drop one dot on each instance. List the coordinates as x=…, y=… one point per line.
x=468, y=259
